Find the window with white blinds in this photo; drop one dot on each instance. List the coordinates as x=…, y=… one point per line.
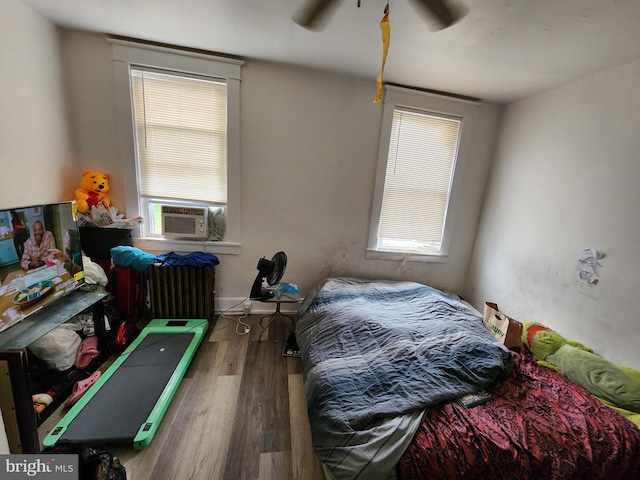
x=181, y=136
x=422, y=143
x=179, y=129
x=420, y=164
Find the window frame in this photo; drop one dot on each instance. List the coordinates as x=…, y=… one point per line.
x=127, y=54
x=429, y=103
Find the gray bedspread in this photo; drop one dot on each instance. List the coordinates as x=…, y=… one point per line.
x=375, y=354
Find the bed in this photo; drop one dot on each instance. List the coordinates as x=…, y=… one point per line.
x=383, y=364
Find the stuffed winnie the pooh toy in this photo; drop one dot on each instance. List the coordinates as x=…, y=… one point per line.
x=93, y=190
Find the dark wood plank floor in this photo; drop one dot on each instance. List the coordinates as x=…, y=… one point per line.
x=239, y=413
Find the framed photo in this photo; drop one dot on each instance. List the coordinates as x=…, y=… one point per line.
x=36, y=211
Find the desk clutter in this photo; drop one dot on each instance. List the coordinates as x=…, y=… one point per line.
x=65, y=360
x=284, y=292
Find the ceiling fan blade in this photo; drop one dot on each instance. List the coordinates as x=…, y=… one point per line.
x=443, y=11
x=312, y=12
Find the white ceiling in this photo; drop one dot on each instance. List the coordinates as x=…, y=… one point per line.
x=501, y=50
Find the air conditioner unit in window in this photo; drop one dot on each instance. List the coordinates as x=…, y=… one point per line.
x=184, y=222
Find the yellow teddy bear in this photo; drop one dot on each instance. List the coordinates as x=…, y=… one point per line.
x=93, y=190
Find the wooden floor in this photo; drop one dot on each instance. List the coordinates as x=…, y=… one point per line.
x=239, y=413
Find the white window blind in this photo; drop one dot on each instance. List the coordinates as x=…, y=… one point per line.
x=420, y=165
x=181, y=129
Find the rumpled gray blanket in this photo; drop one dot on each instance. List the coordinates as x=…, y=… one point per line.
x=375, y=354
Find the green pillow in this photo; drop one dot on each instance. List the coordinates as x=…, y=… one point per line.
x=599, y=376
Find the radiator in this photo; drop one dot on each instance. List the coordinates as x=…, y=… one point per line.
x=181, y=292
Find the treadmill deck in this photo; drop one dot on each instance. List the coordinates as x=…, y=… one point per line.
x=127, y=402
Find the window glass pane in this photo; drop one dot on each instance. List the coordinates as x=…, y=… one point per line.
x=181, y=130
x=156, y=218
x=422, y=153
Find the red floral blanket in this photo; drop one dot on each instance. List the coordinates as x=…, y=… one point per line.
x=539, y=425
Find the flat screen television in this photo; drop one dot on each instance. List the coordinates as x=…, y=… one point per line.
x=40, y=258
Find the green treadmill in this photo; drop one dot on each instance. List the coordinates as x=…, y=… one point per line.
x=129, y=399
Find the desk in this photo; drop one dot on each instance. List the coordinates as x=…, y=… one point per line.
x=291, y=348
x=27, y=331
x=20, y=418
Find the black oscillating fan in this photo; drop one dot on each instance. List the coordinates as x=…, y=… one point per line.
x=271, y=271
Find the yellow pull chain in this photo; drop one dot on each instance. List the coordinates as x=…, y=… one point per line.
x=386, y=37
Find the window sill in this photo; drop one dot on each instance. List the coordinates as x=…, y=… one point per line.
x=162, y=245
x=373, y=254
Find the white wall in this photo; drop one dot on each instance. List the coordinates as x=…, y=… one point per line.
x=36, y=155
x=309, y=144
x=37, y=158
x=567, y=177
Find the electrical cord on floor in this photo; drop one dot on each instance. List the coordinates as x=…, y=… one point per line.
x=245, y=327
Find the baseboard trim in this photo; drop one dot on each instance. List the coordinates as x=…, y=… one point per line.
x=234, y=306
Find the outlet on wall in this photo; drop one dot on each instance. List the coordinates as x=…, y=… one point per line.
x=247, y=307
